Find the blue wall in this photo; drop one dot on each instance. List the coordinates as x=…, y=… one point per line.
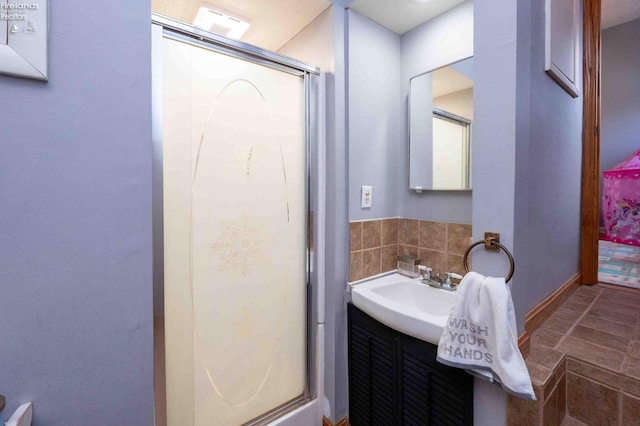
x=620, y=134
x=440, y=41
x=548, y=170
x=381, y=63
x=376, y=144
x=75, y=252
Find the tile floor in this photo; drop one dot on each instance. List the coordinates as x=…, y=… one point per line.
x=587, y=354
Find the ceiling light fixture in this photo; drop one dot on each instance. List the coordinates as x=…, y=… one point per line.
x=221, y=22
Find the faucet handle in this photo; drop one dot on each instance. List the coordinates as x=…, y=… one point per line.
x=447, y=284
x=425, y=271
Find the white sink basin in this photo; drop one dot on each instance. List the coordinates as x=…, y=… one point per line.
x=405, y=305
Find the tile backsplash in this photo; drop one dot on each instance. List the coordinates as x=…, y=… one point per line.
x=374, y=245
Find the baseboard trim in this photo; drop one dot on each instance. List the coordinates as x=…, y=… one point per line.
x=541, y=312
x=327, y=422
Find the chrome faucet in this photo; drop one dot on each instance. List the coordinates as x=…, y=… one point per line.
x=447, y=284
x=437, y=281
x=425, y=271
x=428, y=278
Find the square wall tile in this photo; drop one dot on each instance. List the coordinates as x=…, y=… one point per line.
x=389, y=232
x=371, y=262
x=371, y=234
x=409, y=232
x=433, y=235
x=458, y=238
x=414, y=251
x=389, y=258
x=355, y=266
x=455, y=264
x=435, y=260
x=355, y=236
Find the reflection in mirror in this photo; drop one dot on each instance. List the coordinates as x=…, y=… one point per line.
x=440, y=117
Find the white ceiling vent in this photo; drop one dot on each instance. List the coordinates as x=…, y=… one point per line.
x=221, y=22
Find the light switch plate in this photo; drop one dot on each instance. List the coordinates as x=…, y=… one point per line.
x=367, y=194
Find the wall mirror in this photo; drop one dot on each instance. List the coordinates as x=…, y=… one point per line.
x=440, y=120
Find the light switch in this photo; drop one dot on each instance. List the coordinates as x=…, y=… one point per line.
x=367, y=194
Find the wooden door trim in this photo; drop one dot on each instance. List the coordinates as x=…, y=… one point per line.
x=591, y=143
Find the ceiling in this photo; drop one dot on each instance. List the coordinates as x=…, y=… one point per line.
x=401, y=16
x=616, y=12
x=273, y=22
x=447, y=80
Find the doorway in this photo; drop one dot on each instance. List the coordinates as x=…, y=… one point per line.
x=604, y=259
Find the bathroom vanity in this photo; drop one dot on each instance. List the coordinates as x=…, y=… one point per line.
x=394, y=378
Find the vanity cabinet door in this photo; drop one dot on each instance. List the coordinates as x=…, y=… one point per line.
x=432, y=393
x=373, y=371
x=394, y=379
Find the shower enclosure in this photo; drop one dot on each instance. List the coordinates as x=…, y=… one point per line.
x=235, y=268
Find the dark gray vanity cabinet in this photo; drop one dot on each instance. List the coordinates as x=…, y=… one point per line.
x=394, y=379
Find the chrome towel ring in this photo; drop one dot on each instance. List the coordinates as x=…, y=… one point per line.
x=491, y=242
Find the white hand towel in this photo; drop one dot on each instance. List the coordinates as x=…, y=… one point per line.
x=480, y=335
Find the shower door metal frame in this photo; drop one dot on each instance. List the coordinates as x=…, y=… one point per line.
x=164, y=27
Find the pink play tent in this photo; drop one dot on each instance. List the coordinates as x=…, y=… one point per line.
x=621, y=201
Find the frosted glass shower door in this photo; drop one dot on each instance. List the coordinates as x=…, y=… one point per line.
x=235, y=236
